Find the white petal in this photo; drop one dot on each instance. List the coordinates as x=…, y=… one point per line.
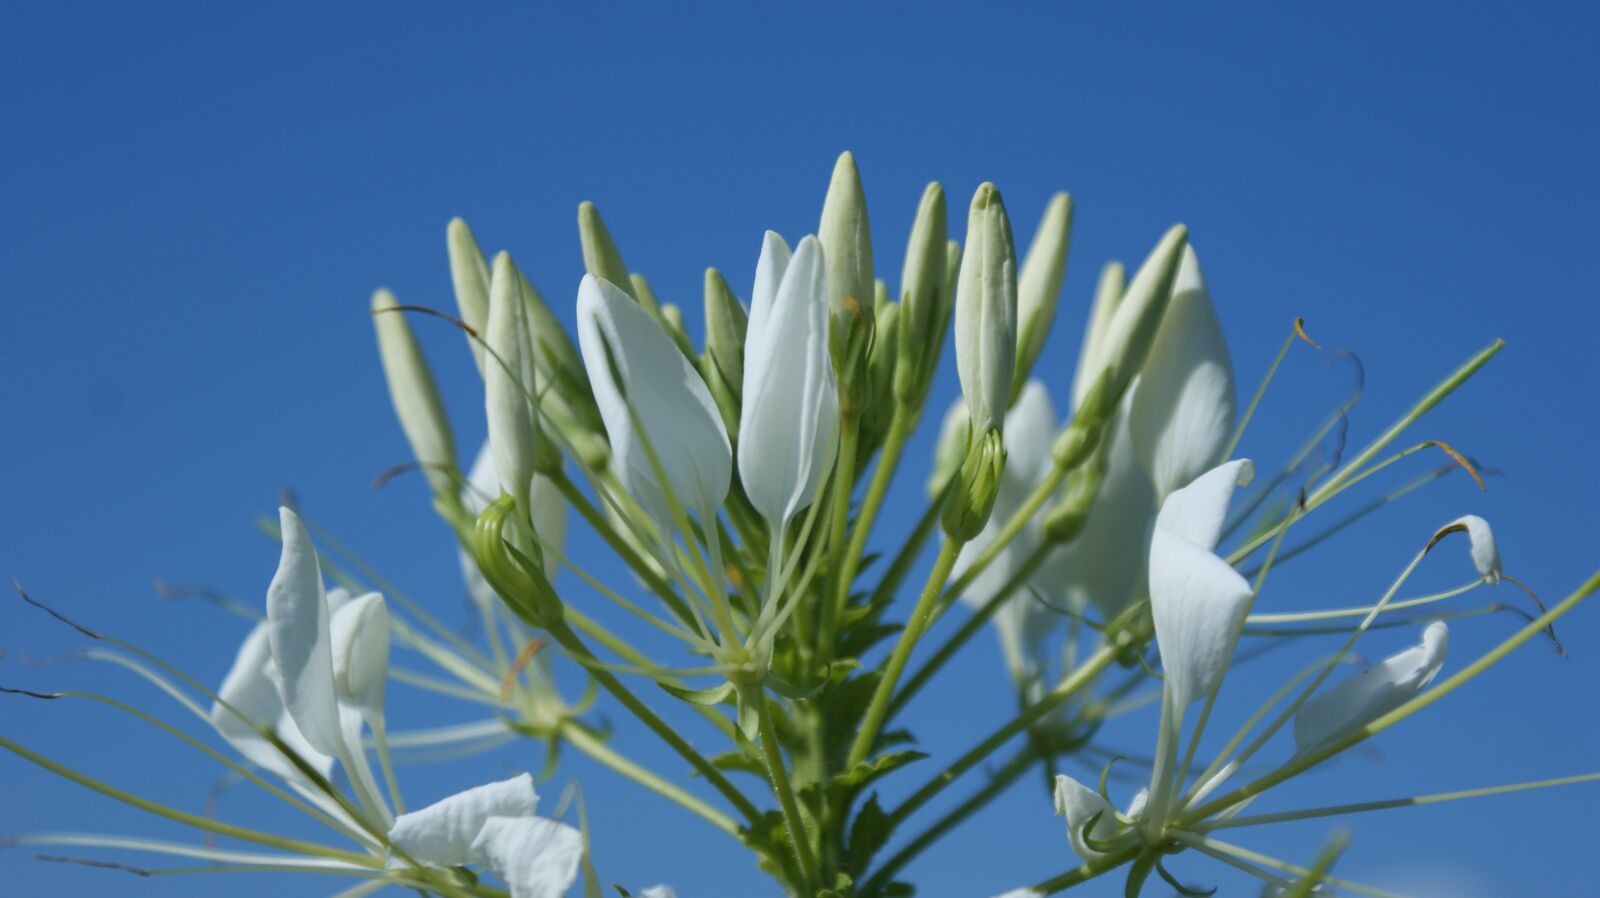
x=1197, y=512
x=254, y=694
x=443, y=833
x=1485, y=554
x=1079, y=804
x=788, y=424
x=673, y=406
x=1183, y=413
x=770, y=268
x=1021, y=893
x=360, y=642
x=297, y=628
x=1198, y=600
x=1373, y=692
x=1105, y=566
x=658, y=892
x=537, y=858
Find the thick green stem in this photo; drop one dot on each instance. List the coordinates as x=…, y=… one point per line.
x=1082, y=676
x=1024, y=513
x=570, y=641
x=834, y=598
x=799, y=837
x=596, y=748
x=878, y=709
x=1079, y=875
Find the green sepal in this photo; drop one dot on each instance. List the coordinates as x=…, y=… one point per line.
x=1182, y=889
x=716, y=695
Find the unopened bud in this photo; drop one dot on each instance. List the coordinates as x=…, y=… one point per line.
x=977, y=483
x=986, y=311
x=846, y=239
x=1064, y=518
x=601, y=257
x=508, y=383
x=469, y=274
x=924, y=299
x=415, y=396
x=1039, y=285
x=1107, y=295
x=726, y=321
x=1133, y=326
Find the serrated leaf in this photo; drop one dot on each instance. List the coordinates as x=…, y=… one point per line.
x=868, y=834
x=869, y=771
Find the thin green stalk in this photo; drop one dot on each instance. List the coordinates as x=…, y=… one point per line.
x=596, y=748
x=878, y=709
x=834, y=599
x=596, y=520
x=1082, y=676
x=1261, y=390
x=969, y=628
x=894, y=443
x=1080, y=875
x=1303, y=762
x=598, y=632
x=909, y=550
x=570, y=640
x=799, y=837
x=1025, y=513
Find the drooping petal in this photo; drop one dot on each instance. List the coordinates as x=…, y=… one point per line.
x=1198, y=601
x=1079, y=804
x=443, y=833
x=1183, y=414
x=537, y=858
x=788, y=423
x=1198, y=511
x=360, y=642
x=297, y=629
x=250, y=691
x=672, y=405
x=1485, y=554
x=1372, y=693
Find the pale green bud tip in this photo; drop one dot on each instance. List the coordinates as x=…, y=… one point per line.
x=601, y=257
x=1044, y=268
x=1133, y=326
x=726, y=322
x=846, y=237
x=413, y=392
x=924, y=285
x=977, y=484
x=986, y=311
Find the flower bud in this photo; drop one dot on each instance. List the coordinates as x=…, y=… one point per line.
x=601, y=257
x=726, y=322
x=924, y=299
x=415, y=396
x=846, y=241
x=1133, y=327
x=881, y=365
x=1064, y=518
x=977, y=484
x=469, y=274
x=557, y=362
x=1039, y=285
x=1107, y=295
x=672, y=323
x=986, y=312
x=508, y=383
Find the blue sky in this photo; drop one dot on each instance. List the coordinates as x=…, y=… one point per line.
x=198, y=201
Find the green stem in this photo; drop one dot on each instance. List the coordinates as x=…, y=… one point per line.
x=595, y=519
x=878, y=709
x=1024, y=513
x=969, y=628
x=799, y=837
x=877, y=490
x=598, y=632
x=1082, y=676
x=833, y=601
x=596, y=748
x=909, y=550
x=1079, y=875
x=1303, y=762
x=569, y=640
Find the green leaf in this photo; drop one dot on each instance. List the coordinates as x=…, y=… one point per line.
x=868, y=834
x=716, y=695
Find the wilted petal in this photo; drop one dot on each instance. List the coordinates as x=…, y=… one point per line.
x=252, y=693
x=537, y=858
x=788, y=423
x=443, y=832
x=1198, y=600
x=673, y=407
x=1372, y=693
x=1485, y=554
x=360, y=642
x=1182, y=416
x=297, y=628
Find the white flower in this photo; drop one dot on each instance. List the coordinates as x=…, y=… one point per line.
x=789, y=418
x=1197, y=599
x=1079, y=804
x=986, y=311
x=1485, y=554
x=494, y=825
x=1372, y=693
x=302, y=650
x=659, y=892
x=359, y=638
x=660, y=399
x=249, y=688
x=1183, y=410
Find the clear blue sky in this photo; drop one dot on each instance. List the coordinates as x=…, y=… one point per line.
x=198, y=201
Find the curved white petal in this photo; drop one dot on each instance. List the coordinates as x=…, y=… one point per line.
x=673, y=407
x=1182, y=416
x=549, y=519
x=1372, y=693
x=1198, y=601
x=249, y=690
x=1485, y=554
x=297, y=629
x=537, y=858
x=789, y=417
x=1198, y=511
x=1079, y=804
x=360, y=642
x=443, y=833
x=770, y=268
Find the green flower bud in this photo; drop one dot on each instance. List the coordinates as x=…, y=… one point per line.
x=881, y=366
x=509, y=385
x=1079, y=439
x=986, y=311
x=846, y=241
x=1107, y=295
x=1133, y=326
x=600, y=255
x=977, y=484
x=469, y=274
x=645, y=295
x=672, y=323
x=924, y=299
x=1039, y=285
x=726, y=321
x=1064, y=518
x=416, y=399
x=558, y=363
